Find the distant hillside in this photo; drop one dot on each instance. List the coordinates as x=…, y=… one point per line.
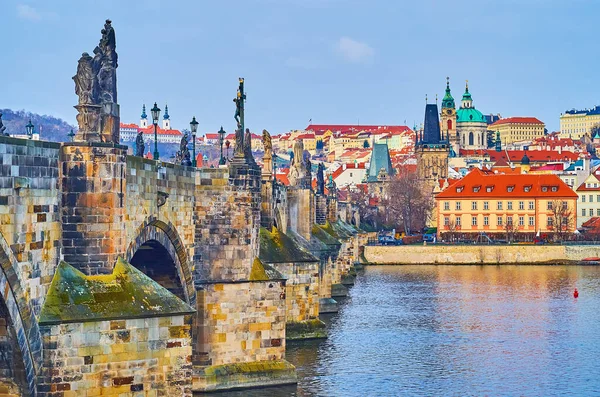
x=51, y=128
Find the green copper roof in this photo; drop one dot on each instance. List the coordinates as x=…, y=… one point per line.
x=448, y=101
x=469, y=115
x=467, y=94
x=127, y=293
x=276, y=247
x=380, y=158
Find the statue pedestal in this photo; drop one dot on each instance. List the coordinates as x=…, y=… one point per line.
x=111, y=121
x=89, y=120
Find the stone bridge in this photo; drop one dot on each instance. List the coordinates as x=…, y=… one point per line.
x=123, y=275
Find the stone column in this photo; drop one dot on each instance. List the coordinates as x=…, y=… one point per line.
x=93, y=196
x=301, y=211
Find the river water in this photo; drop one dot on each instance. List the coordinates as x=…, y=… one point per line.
x=457, y=331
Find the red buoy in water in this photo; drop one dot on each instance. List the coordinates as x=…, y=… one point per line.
x=575, y=293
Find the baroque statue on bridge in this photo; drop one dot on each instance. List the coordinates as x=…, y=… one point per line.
x=139, y=144
x=184, y=151
x=320, y=179
x=2, y=127
x=298, y=168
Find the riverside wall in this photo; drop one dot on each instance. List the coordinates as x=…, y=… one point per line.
x=479, y=254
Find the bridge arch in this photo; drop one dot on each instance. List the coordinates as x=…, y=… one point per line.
x=20, y=339
x=159, y=252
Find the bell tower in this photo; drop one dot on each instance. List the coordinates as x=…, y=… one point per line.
x=448, y=116
x=144, y=118
x=166, y=124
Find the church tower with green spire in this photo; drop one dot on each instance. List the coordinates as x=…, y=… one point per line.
x=448, y=117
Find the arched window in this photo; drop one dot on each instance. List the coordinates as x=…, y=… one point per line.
x=471, y=139
x=463, y=139
x=449, y=125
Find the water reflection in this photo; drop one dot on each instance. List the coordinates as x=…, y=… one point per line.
x=457, y=330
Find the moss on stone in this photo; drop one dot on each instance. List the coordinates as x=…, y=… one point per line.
x=124, y=294
x=322, y=235
x=276, y=247
x=258, y=271
x=309, y=329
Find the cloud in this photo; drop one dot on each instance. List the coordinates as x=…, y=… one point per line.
x=354, y=51
x=29, y=13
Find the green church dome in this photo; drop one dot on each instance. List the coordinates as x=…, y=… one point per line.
x=469, y=115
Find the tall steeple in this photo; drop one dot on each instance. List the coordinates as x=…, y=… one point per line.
x=166, y=124
x=144, y=117
x=448, y=101
x=467, y=101
x=431, y=128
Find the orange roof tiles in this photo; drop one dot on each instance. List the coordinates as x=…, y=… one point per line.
x=485, y=184
x=518, y=120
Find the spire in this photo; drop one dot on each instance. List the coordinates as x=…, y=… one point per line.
x=166, y=116
x=448, y=101
x=144, y=115
x=467, y=101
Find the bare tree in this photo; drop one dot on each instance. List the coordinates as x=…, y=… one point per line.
x=451, y=231
x=510, y=228
x=360, y=198
x=409, y=201
x=563, y=219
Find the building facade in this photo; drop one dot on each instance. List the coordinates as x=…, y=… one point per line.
x=432, y=149
x=164, y=132
x=496, y=203
x=518, y=129
x=448, y=117
x=588, y=201
x=577, y=123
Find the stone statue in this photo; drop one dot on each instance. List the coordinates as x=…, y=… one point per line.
x=268, y=145
x=298, y=175
x=2, y=127
x=139, y=144
x=184, y=151
x=332, y=187
x=320, y=179
x=307, y=163
x=248, y=144
x=238, y=108
x=85, y=81
x=107, y=65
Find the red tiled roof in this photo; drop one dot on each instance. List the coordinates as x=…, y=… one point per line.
x=476, y=183
x=592, y=223
x=159, y=131
x=130, y=125
x=306, y=136
x=282, y=178
x=583, y=188
x=518, y=120
x=349, y=166
x=349, y=128
x=211, y=136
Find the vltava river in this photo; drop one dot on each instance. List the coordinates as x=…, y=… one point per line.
x=457, y=331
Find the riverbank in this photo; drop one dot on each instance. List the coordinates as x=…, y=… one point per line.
x=479, y=254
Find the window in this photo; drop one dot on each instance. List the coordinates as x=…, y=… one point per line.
x=510, y=188
x=446, y=205
x=598, y=198
x=499, y=205
x=549, y=205
x=486, y=205
x=486, y=221
x=509, y=220
x=489, y=188
x=473, y=205
x=583, y=198
x=499, y=221
x=350, y=175
x=531, y=205
x=527, y=188
x=554, y=188
x=458, y=221
x=549, y=221
x=459, y=189
x=597, y=212
x=521, y=221
x=509, y=205
x=446, y=221
x=458, y=205
x=591, y=198
x=476, y=188
x=564, y=205
x=473, y=221
x=521, y=205
x=583, y=211
x=544, y=188
x=531, y=219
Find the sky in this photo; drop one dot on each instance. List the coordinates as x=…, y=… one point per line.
x=332, y=61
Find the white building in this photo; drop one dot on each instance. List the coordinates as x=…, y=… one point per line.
x=164, y=133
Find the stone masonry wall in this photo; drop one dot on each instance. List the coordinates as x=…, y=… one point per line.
x=241, y=322
x=478, y=254
x=301, y=290
x=29, y=211
x=301, y=211
x=149, y=357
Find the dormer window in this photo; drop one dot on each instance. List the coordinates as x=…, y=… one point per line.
x=489, y=188
x=510, y=188
x=544, y=188
x=459, y=189
x=476, y=189
x=555, y=188
x=527, y=188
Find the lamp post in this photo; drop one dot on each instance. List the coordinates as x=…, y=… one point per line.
x=71, y=135
x=194, y=128
x=155, y=115
x=221, y=139
x=227, y=143
x=29, y=128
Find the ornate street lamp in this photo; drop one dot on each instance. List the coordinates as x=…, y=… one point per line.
x=29, y=128
x=71, y=135
x=155, y=115
x=221, y=139
x=194, y=128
